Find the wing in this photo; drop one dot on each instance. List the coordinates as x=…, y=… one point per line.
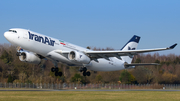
x=107, y=54
x=94, y=55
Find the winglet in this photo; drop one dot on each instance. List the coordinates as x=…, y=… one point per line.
x=171, y=47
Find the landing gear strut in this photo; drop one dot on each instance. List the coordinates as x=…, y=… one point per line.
x=85, y=72
x=56, y=70
x=18, y=51
x=18, y=54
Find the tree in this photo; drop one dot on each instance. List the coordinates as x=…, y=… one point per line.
x=157, y=61
x=22, y=77
x=88, y=47
x=77, y=78
x=10, y=79
x=98, y=78
x=168, y=78
x=127, y=78
x=138, y=60
x=6, y=57
x=177, y=60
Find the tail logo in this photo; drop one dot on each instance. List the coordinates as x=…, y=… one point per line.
x=129, y=48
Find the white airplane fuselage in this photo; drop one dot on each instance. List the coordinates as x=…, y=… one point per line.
x=47, y=46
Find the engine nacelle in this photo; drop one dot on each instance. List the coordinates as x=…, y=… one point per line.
x=29, y=57
x=79, y=57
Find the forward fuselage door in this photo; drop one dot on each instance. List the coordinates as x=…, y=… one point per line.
x=25, y=34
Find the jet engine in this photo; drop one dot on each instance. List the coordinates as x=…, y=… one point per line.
x=79, y=57
x=29, y=57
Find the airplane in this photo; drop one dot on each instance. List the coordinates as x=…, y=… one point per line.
x=38, y=46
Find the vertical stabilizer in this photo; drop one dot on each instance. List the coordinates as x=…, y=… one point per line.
x=130, y=45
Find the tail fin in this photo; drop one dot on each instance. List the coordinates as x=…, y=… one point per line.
x=130, y=45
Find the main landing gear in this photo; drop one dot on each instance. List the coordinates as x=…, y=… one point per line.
x=85, y=72
x=56, y=70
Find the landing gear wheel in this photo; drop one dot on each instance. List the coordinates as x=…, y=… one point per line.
x=88, y=73
x=80, y=69
x=56, y=74
x=56, y=69
x=84, y=69
x=60, y=73
x=52, y=69
x=84, y=73
x=18, y=54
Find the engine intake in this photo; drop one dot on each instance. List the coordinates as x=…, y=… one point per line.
x=29, y=57
x=79, y=57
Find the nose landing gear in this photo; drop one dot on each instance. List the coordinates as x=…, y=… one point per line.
x=18, y=54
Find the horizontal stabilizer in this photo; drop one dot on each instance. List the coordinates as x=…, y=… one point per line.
x=139, y=64
x=171, y=47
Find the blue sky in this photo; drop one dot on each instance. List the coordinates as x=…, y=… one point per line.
x=97, y=23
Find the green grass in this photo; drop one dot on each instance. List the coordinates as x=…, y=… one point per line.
x=89, y=96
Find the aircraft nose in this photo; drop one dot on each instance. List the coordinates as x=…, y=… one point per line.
x=7, y=36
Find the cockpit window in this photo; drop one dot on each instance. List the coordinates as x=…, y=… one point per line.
x=13, y=31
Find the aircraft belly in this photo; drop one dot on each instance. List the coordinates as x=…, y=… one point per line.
x=105, y=65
